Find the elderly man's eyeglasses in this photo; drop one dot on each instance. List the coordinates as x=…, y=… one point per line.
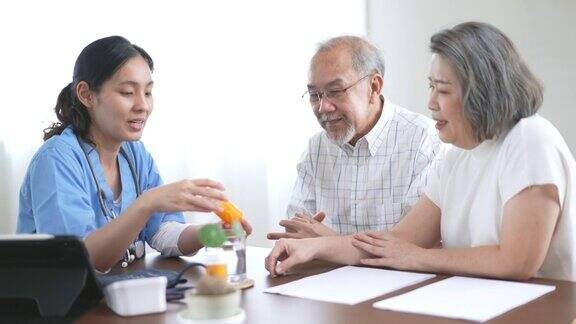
x=335, y=95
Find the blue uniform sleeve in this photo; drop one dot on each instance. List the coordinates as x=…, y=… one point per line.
x=150, y=178
x=60, y=202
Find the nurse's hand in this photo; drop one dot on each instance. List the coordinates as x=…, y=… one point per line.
x=203, y=195
x=245, y=226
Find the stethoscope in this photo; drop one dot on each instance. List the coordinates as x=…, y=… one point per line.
x=136, y=249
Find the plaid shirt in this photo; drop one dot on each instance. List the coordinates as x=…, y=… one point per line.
x=373, y=184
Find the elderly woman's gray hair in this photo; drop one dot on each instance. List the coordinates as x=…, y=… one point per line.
x=498, y=88
x=366, y=58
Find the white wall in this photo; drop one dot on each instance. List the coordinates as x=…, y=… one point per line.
x=228, y=79
x=543, y=31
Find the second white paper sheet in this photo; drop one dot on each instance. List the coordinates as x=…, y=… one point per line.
x=349, y=285
x=466, y=298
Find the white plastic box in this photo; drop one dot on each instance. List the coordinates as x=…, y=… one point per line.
x=137, y=296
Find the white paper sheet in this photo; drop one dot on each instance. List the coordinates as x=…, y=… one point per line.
x=466, y=298
x=349, y=285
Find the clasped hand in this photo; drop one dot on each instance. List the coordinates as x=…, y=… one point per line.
x=302, y=226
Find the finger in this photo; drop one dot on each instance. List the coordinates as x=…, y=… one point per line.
x=277, y=250
x=208, y=183
x=185, y=205
x=293, y=225
x=283, y=267
x=380, y=235
x=270, y=265
x=267, y=258
x=243, y=222
x=302, y=216
x=378, y=262
x=266, y=264
x=246, y=226
x=374, y=250
x=196, y=203
x=301, y=220
x=369, y=239
x=210, y=193
x=289, y=230
x=360, y=236
x=277, y=236
x=320, y=217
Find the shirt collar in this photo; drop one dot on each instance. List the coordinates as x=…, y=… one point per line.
x=376, y=135
x=483, y=149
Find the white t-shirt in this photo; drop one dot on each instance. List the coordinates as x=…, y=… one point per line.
x=471, y=188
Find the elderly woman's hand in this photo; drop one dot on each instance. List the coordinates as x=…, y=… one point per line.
x=388, y=251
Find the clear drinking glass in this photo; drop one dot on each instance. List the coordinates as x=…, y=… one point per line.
x=235, y=256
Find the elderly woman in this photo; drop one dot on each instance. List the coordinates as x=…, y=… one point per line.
x=500, y=204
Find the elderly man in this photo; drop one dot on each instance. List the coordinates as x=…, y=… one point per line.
x=365, y=170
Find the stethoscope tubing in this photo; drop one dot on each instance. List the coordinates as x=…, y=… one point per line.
x=128, y=257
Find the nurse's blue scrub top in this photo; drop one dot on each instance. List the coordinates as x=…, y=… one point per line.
x=59, y=195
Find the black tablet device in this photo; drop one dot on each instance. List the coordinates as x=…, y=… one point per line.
x=45, y=276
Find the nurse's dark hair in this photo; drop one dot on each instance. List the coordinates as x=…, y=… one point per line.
x=498, y=88
x=95, y=65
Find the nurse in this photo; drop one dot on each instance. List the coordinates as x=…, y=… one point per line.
x=94, y=179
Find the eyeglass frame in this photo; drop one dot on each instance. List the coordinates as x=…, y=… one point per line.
x=336, y=92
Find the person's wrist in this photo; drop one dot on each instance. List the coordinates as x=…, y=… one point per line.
x=327, y=231
x=145, y=203
x=419, y=256
x=331, y=232
x=320, y=243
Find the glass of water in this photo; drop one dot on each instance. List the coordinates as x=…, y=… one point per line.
x=234, y=254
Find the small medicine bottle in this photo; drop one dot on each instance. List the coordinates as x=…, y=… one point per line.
x=230, y=213
x=215, y=263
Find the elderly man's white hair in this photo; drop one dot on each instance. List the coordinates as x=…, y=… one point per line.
x=366, y=58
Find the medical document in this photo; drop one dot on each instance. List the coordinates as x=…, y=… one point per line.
x=349, y=285
x=466, y=298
